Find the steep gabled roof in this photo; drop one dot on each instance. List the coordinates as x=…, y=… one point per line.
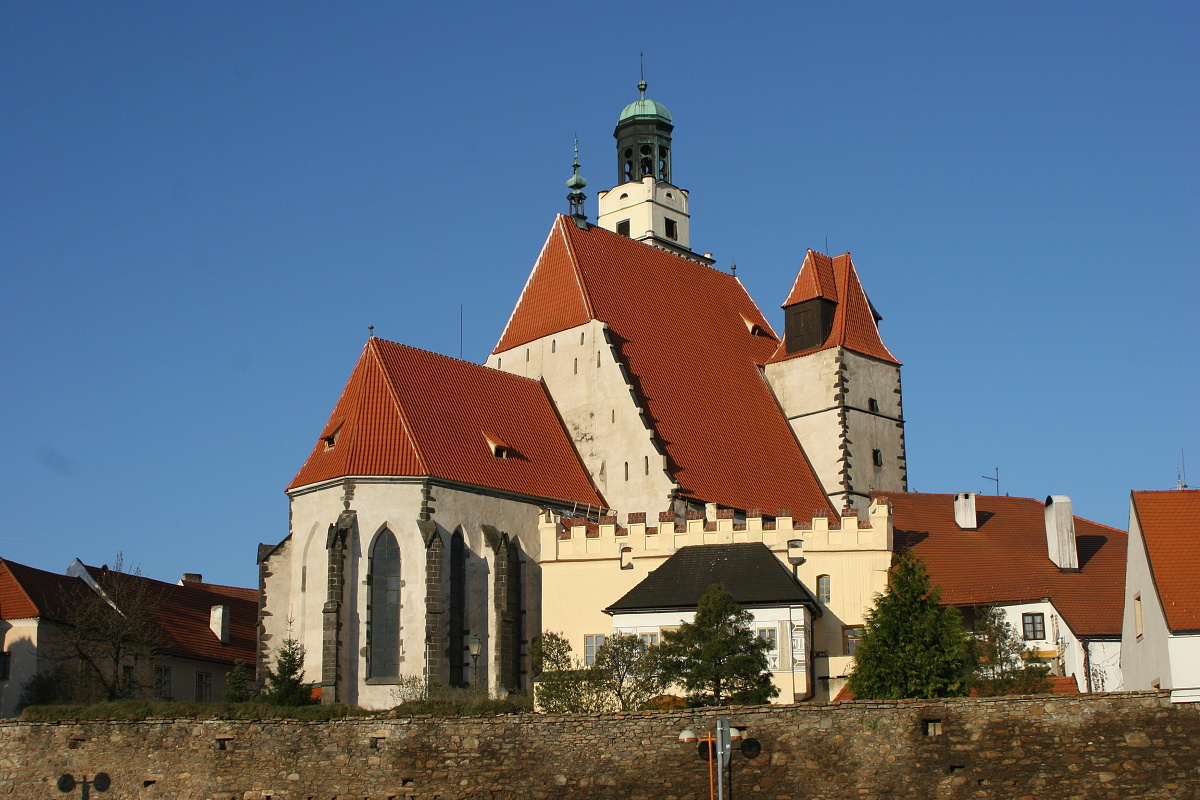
x=1170, y=525
x=750, y=572
x=406, y=411
x=1005, y=560
x=854, y=324
x=682, y=331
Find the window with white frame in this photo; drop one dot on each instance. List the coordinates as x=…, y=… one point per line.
x=851, y=636
x=768, y=635
x=591, y=644
x=1034, y=625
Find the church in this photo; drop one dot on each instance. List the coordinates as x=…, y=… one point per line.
x=636, y=403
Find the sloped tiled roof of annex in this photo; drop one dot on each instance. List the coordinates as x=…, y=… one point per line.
x=28, y=592
x=854, y=326
x=749, y=570
x=681, y=330
x=406, y=411
x=183, y=613
x=1005, y=559
x=1170, y=524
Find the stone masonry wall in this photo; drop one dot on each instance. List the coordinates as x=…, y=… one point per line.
x=1099, y=746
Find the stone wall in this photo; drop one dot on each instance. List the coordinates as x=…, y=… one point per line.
x=1099, y=746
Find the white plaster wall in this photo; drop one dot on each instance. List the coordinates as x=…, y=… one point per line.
x=395, y=504
x=645, y=204
x=806, y=391
x=19, y=637
x=1145, y=660
x=605, y=423
x=791, y=670
x=1184, y=652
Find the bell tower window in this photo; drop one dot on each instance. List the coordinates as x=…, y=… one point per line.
x=672, y=229
x=623, y=228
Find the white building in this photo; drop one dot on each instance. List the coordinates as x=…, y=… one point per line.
x=1161, y=632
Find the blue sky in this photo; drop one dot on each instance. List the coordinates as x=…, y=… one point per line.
x=204, y=205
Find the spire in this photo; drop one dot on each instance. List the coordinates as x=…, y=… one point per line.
x=576, y=198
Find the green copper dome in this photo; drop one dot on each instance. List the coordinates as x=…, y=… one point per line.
x=644, y=108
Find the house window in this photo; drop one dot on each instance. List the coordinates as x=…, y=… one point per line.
x=873, y=406
x=623, y=227
x=592, y=643
x=877, y=457
x=162, y=682
x=1034, y=626
x=5, y=666
x=1137, y=615
x=672, y=228
x=933, y=727
x=768, y=635
x=851, y=636
x=649, y=639
x=383, y=612
x=127, y=679
x=203, y=687
x=822, y=589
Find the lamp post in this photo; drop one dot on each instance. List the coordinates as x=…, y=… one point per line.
x=717, y=748
x=474, y=645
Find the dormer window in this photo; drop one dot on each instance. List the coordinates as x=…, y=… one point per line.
x=330, y=435
x=754, y=328
x=498, y=447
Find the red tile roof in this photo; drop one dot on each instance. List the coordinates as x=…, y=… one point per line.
x=681, y=330
x=854, y=325
x=181, y=612
x=406, y=411
x=1170, y=525
x=1005, y=560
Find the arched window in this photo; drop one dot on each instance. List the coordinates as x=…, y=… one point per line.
x=383, y=612
x=457, y=649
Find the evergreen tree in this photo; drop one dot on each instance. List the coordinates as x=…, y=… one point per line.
x=718, y=658
x=910, y=647
x=287, y=687
x=240, y=681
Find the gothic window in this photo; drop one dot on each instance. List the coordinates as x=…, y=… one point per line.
x=458, y=605
x=383, y=611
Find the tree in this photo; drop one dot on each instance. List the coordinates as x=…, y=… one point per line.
x=240, y=683
x=287, y=687
x=629, y=670
x=910, y=646
x=717, y=657
x=1002, y=663
x=110, y=637
x=565, y=685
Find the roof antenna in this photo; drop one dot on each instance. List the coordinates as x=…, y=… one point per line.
x=642, y=66
x=460, y=329
x=996, y=479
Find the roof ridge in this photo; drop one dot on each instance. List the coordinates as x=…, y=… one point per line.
x=404, y=424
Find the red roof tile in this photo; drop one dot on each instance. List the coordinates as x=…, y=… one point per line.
x=181, y=612
x=854, y=325
x=680, y=328
x=1170, y=525
x=1005, y=560
x=406, y=411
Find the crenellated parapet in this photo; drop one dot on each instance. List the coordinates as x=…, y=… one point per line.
x=565, y=538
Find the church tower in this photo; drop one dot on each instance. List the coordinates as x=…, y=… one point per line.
x=645, y=204
x=839, y=385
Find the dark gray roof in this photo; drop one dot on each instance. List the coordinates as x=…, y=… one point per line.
x=750, y=571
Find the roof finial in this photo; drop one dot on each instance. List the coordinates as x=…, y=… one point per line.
x=733, y=267
x=642, y=74
x=370, y=331
x=576, y=197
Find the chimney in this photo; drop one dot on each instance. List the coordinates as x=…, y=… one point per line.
x=1060, y=533
x=218, y=621
x=964, y=511
x=194, y=577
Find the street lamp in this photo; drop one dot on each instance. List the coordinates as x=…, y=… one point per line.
x=795, y=554
x=717, y=748
x=474, y=645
